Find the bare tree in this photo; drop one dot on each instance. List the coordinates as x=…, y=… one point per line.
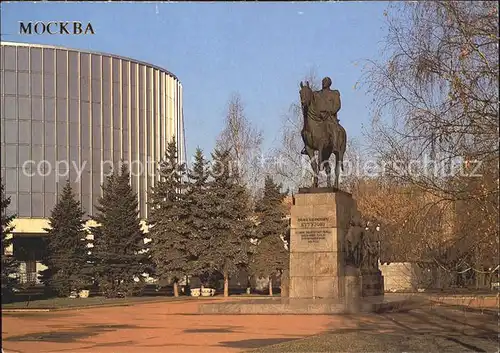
x=285, y=161
x=244, y=142
x=436, y=100
x=356, y=165
x=412, y=224
x=440, y=85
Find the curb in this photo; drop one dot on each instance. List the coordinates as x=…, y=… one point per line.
x=25, y=310
x=109, y=305
x=104, y=305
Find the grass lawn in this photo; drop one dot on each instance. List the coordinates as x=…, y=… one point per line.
x=357, y=342
x=422, y=330
x=67, y=303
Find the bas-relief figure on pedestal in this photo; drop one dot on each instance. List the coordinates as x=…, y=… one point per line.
x=361, y=246
x=361, y=257
x=371, y=251
x=370, y=257
x=353, y=241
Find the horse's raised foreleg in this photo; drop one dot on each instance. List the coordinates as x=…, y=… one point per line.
x=314, y=165
x=325, y=163
x=338, y=162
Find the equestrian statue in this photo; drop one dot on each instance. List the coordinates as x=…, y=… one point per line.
x=322, y=131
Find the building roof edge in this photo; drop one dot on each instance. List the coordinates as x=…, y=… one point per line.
x=48, y=46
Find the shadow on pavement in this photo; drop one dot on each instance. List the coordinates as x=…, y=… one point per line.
x=437, y=329
x=68, y=336
x=255, y=343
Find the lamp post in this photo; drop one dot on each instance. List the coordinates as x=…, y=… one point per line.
x=379, y=250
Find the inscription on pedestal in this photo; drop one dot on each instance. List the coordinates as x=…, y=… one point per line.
x=312, y=222
x=313, y=236
x=309, y=229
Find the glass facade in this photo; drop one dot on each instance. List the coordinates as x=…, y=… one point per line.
x=68, y=114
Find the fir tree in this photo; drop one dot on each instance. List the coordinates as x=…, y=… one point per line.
x=199, y=208
x=169, y=231
x=119, y=250
x=10, y=266
x=66, y=247
x=270, y=256
x=230, y=225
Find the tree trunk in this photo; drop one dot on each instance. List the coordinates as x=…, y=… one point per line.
x=270, y=286
x=226, y=284
x=249, y=286
x=176, y=289
x=477, y=275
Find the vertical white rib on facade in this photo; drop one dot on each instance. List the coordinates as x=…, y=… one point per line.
x=182, y=142
x=158, y=123
x=81, y=125
x=176, y=112
x=172, y=107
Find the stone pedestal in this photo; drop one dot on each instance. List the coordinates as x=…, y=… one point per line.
x=353, y=293
x=319, y=281
x=319, y=221
x=285, y=284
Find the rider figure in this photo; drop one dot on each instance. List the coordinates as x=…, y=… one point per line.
x=327, y=103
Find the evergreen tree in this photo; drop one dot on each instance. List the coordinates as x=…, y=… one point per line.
x=169, y=231
x=230, y=225
x=66, y=247
x=199, y=206
x=270, y=256
x=9, y=265
x=119, y=250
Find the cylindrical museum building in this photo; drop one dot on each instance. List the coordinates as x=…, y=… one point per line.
x=70, y=114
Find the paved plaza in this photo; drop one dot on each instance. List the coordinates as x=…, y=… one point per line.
x=176, y=327
x=155, y=327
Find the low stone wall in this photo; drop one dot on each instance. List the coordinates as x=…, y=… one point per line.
x=398, y=276
x=273, y=306
x=472, y=301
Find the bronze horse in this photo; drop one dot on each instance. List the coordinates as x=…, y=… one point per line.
x=324, y=136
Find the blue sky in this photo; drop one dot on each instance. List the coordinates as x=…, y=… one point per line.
x=260, y=50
